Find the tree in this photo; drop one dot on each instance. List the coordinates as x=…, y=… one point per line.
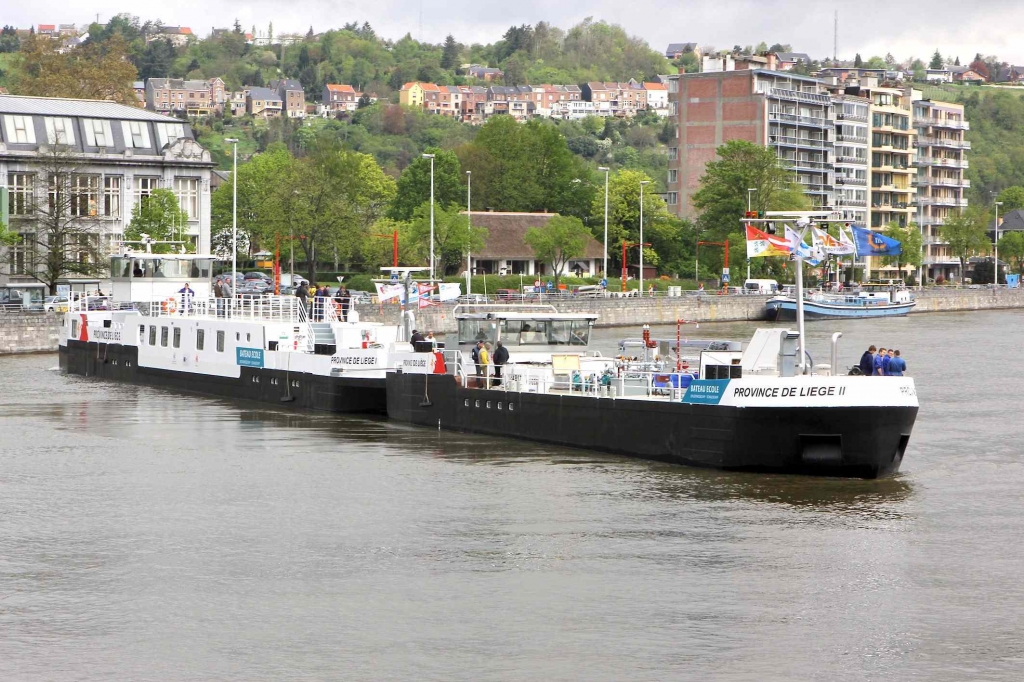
x=1011, y=248
x=722, y=197
x=562, y=239
x=957, y=62
x=414, y=184
x=364, y=101
x=92, y=71
x=966, y=235
x=260, y=212
x=858, y=62
x=450, y=53
x=66, y=239
x=1012, y=199
x=453, y=236
x=911, y=241
x=624, y=210
x=937, y=61
x=157, y=59
x=159, y=217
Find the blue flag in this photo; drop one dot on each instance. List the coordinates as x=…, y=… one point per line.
x=874, y=244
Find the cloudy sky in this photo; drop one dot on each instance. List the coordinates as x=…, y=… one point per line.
x=869, y=27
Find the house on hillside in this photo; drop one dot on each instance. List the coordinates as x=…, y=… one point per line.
x=505, y=252
x=484, y=73
x=48, y=30
x=657, y=98
x=263, y=102
x=964, y=74
x=677, y=50
x=1011, y=74
x=337, y=98
x=788, y=60
x=293, y=97
x=177, y=35
x=938, y=75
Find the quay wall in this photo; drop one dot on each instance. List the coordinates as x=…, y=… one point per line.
x=28, y=332
x=630, y=312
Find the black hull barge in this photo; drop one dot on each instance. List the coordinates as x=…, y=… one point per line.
x=862, y=441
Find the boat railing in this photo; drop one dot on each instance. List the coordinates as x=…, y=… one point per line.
x=455, y=362
x=286, y=309
x=84, y=304
x=324, y=309
x=629, y=384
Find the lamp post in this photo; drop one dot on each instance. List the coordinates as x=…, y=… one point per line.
x=431, y=157
x=604, y=266
x=995, y=265
x=234, y=218
x=750, y=191
x=469, y=229
x=642, y=183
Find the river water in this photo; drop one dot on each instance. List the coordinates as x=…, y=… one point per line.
x=148, y=535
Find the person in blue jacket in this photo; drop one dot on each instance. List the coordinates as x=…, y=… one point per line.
x=897, y=365
x=867, y=362
x=877, y=370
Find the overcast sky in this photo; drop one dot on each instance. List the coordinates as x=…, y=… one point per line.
x=869, y=27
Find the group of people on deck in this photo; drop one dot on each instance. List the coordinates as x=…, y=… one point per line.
x=879, y=362
x=489, y=364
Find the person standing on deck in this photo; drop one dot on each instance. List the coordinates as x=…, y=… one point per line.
x=187, y=294
x=867, y=362
x=485, y=363
x=500, y=358
x=897, y=366
x=877, y=370
x=476, y=360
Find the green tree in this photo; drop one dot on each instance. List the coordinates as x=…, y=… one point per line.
x=93, y=71
x=875, y=62
x=561, y=240
x=937, y=62
x=1012, y=199
x=966, y=235
x=858, y=63
x=450, y=53
x=624, y=212
x=722, y=197
x=1011, y=248
x=260, y=212
x=453, y=236
x=414, y=184
x=910, y=239
x=158, y=217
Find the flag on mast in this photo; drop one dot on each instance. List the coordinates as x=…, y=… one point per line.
x=800, y=248
x=763, y=244
x=828, y=244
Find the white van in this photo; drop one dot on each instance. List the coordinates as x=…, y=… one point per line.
x=761, y=286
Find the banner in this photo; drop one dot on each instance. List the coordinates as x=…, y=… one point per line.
x=386, y=292
x=874, y=244
x=422, y=292
x=450, y=291
x=828, y=244
x=763, y=244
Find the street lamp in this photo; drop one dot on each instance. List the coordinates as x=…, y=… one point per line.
x=750, y=191
x=234, y=218
x=469, y=228
x=604, y=272
x=431, y=157
x=996, y=264
x=642, y=183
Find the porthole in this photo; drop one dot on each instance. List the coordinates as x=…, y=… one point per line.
x=511, y=407
x=476, y=403
x=465, y=403
x=488, y=404
x=499, y=405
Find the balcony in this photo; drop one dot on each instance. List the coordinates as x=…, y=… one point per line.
x=796, y=119
x=815, y=188
x=928, y=141
x=945, y=201
x=860, y=139
x=809, y=97
x=951, y=182
x=806, y=142
x=928, y=122
x=805, y=164
x=859, y=182
x=852, y=160
x=931, y=241
x=855, y=203
x=851, y=117
x=929, y=221
x=947, y=163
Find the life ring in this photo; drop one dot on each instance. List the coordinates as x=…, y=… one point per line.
x=170, y=306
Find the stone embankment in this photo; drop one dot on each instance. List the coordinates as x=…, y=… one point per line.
x=35, y=332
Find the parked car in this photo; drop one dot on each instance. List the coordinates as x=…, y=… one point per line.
x=507, y=295
x=292, y=279
x=259, y=275
x=56, y=304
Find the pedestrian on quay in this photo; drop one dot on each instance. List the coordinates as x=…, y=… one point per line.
x=897, y=365
x=867, y=362
x=877, y=370
x=500, y=358
x=485, y=362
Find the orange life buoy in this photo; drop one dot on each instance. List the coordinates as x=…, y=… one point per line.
x=170, y=306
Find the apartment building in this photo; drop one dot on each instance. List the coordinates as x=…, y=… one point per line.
x=121, y=155
x=851, y=159
x=193, y=97
x=791, y=114
x=941, y=186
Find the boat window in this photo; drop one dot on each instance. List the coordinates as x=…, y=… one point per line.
x=535, y=332
x=580, y=333
x=220, y=341
x=74, y=329
x=177, y=337
x=152, y=336
x=471, y=331
x=163, y=336
x=200, y=339
x=510, y=330
x=142, y=333
x=560, y=332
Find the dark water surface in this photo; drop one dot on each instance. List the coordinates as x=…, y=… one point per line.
x=147, y=535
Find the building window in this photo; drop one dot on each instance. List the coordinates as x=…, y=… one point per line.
x=20, y=130
x=673, y=153
x=187, y=190
x=59, y=131
x=672, y=198
x=97, y=132
x=85, y=195
x=112, y=196
x=673, y=175
x=220, y=341
x=136, y=134
x=144, y=187
x=163, y=337
x=20, y=188
x=21, y=253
